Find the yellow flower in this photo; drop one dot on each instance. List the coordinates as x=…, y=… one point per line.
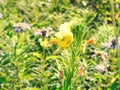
x=64, y=37
x=44, y=43
x=117, y=1
x=65, y=42
x=65, y=27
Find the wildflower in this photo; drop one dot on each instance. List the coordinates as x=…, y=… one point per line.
x=22, y=26
x=107, y=44
x=38, y=33
x=104, y=55
x=64, y=37
x=93, y=56
x=44, y=32
x=65, y=27
x=52, y=40
x=1, y=16
x=117, y=1
x=65, y=40
x=81, y=71
x=101, y=68
x=44, y=43
x=90, y=41
x=110, y=44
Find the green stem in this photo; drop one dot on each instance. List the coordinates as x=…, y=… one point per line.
x=116, y=35
x=43, y=68
x=16, y=64
x=115, y=28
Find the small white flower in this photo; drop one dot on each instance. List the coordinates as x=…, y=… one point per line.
x=1, y=15
x=22, y=25
x=44, y=32
x=107, y=44
x=101, y=67
x=104, y=55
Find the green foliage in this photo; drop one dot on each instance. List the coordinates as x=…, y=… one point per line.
x=30, y=59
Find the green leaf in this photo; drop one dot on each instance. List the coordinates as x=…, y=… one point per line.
x=36, y=54
x=51, y=57
x=2, y=79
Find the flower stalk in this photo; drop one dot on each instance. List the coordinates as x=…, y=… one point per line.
x=116, y=35
x=115, y=27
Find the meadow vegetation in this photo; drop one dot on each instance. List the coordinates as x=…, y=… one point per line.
x=59, y=45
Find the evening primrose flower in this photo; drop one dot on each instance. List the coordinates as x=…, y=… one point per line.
x=65, y=27
x=44, y=43
x=63, y=41
x=117, y=1
x=64, y=37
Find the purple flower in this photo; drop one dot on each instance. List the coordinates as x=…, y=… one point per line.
x=111, y=43
x=44, y=32
x=107, y=44
x=38, y=33
x=23, y=25
x=104, y=55
x=101, y=68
